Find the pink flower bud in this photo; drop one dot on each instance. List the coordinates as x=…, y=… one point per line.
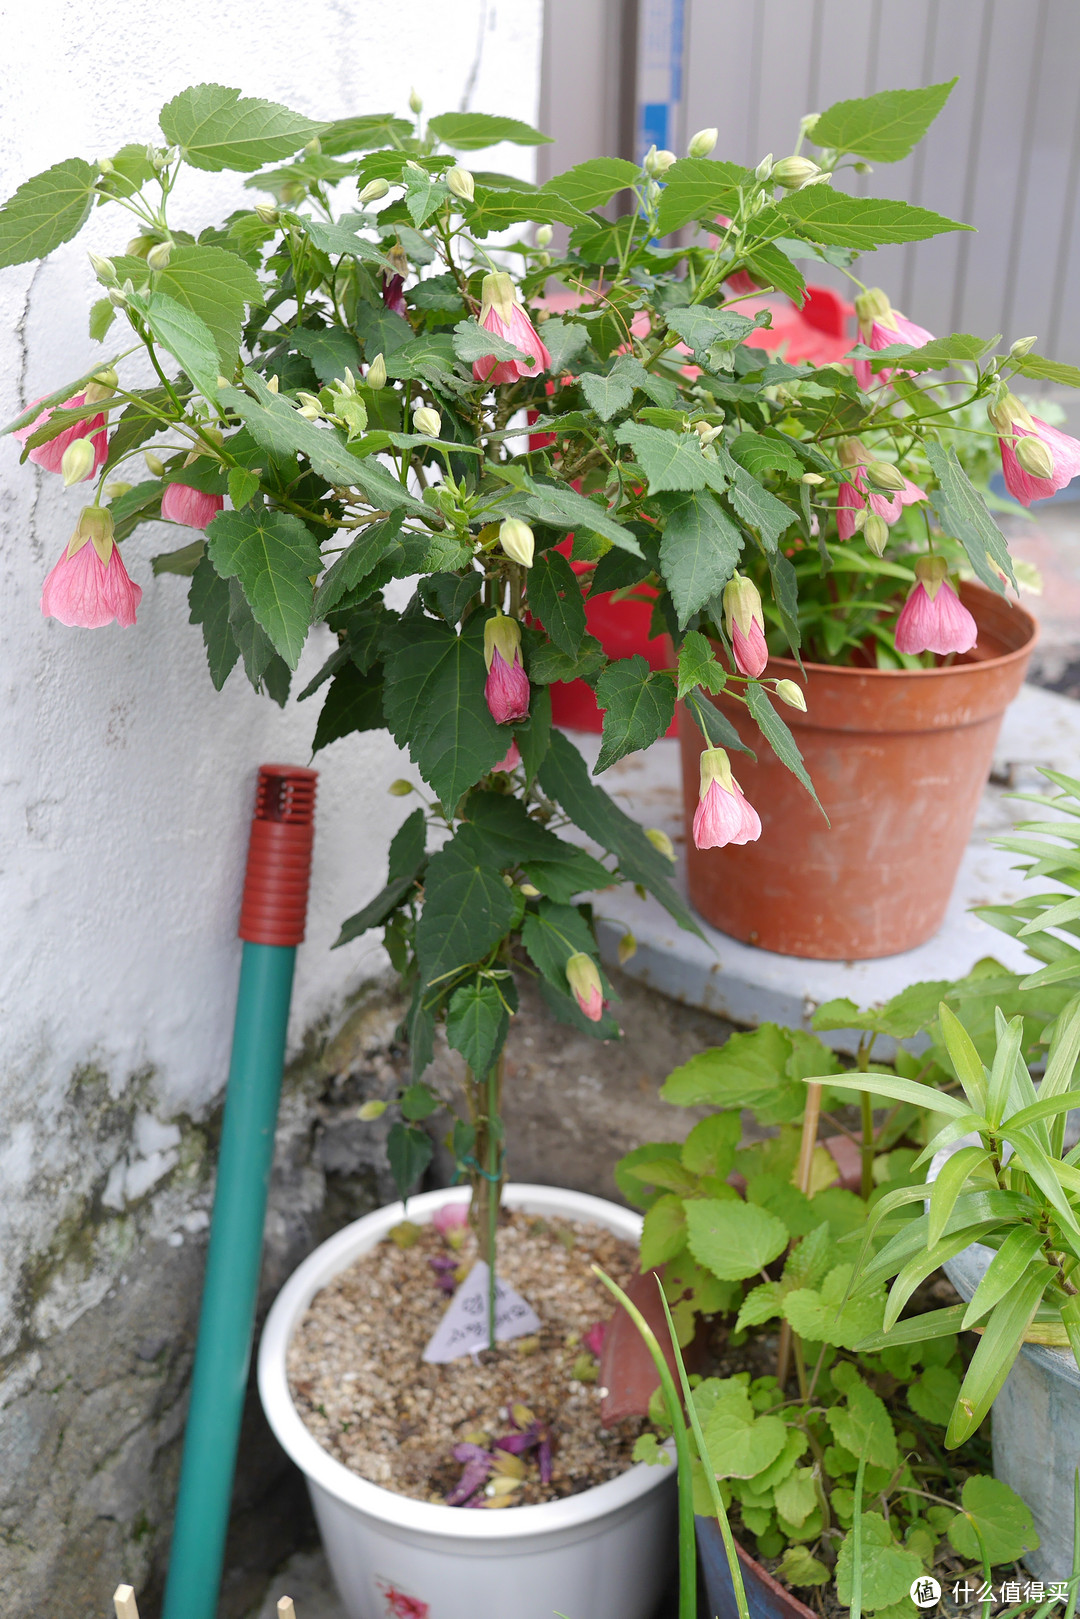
x=934, y=619
x=511, y=762
x=593, y=1340
x=89, y=586
x=745, y=624
x=584, y=980
x=182, y=504
x=723, y=815
x=501, y=314
x=507, y=688
x=51, y=455
x=451, y=1217
x=879, y=326
x=1016, y=426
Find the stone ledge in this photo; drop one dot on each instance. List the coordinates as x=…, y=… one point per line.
x=750, y=986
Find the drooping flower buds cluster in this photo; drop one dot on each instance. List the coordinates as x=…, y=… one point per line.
x=874, y=499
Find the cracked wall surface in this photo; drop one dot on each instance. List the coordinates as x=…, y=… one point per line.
x=126, y=786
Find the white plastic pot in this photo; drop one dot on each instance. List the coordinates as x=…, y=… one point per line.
x=607, y=1553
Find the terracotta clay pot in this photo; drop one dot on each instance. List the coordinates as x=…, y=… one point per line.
x=899, y=760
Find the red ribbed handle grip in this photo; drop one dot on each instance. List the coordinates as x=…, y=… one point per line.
x=274, y=909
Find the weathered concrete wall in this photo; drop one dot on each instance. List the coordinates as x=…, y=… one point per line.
x=125, y=788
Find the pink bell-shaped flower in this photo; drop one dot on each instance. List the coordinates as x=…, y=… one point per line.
x=879, y=326
x=511, y=762
x=855, y=497
x=723, y=815
x=393, y=295
x=745, y=625
x=51, y=454
x=182, y=504
x=584, y=981
x=89, y=586
x=501, y=314
x=1036, y=459
x=934, y=619
x=507, y=687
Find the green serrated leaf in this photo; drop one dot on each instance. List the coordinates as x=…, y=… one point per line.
x=823, y=215
x=472, y=342
x=554, y=596
x=208, y=602
x=638, y=704
x=733, y=1239
x=700, y=188
x=360, y=133
x=471, y=131
x=424, y=195
x=353, y=703
x=562, y=507
x=216, y=128
x=102, y=315
x=964, y=515
x=409, y=1150
x=46, y=210
x=699, y=550
x=591, y=184
x=187, y=337
x=476, y=1023
x=759, y=453
x=274, y=556
x=563, y=339
x=336, y=239
x=435, y=704
x=182, y=561
x=1034, y=365
x=663, y=1234
x=552, y=934
x=669, y=460
x=698, y=666
x=778, y=737
x=882, y=128
x=215, y=286
x=467, y=907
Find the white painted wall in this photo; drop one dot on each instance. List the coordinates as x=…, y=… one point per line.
x=126, y=782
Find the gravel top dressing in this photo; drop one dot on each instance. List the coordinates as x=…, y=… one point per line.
x=361, y=1387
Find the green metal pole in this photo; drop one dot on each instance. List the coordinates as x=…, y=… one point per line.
x=230, y=1290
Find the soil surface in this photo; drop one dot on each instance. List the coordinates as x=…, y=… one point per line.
x=361, y=1387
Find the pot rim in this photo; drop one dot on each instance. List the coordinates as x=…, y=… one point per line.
x=967, y=586
x=401, y=1511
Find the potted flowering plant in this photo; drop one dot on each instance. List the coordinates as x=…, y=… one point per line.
x=326, y=390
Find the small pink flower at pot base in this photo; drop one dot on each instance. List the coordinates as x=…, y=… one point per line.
x=89, y=587
x=593, y=1340
x=880, y=325
x=451, y=1222
x=933, y=618
x=51, y=454
x=723, y=815
x=1052, y=458
x=507, y=688
x=584, y=981
x=182, y=504
x=502, y=315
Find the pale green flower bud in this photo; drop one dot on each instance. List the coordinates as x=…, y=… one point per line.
x=1022, y=346
x=627, y=944
x=104, y=269
x=812, y=478
x=764, y=168
x=139, y=247
x=313, y=147
x=863, y=168
x=113, y=491
x=415, y=104
x=400, y=788
x=516, y=539
x=657, y=163
x=793, y=172
x=1031, y=453
x=105, y=165
x=154, y=464
x=544, y=235
x=77, y=462
x=311, y=413
x=461, y=183
x=374, y=190
x=661, y=841
x=428, y=422
x=529, y=890
x=791, y=694
x=876, y=533
x=267, y=213
x=703, y=143
x=159, y=256
x=883, y=475
x=370, y=1111
x=376, y=372
x=808, y=123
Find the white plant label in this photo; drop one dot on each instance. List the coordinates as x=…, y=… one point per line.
x=463, y=1330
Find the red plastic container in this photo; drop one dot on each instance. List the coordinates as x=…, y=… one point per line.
x=274, y=908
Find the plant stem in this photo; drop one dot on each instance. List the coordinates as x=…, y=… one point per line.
x=866, y=1148
x=483, y=1098
x=803, y=1176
